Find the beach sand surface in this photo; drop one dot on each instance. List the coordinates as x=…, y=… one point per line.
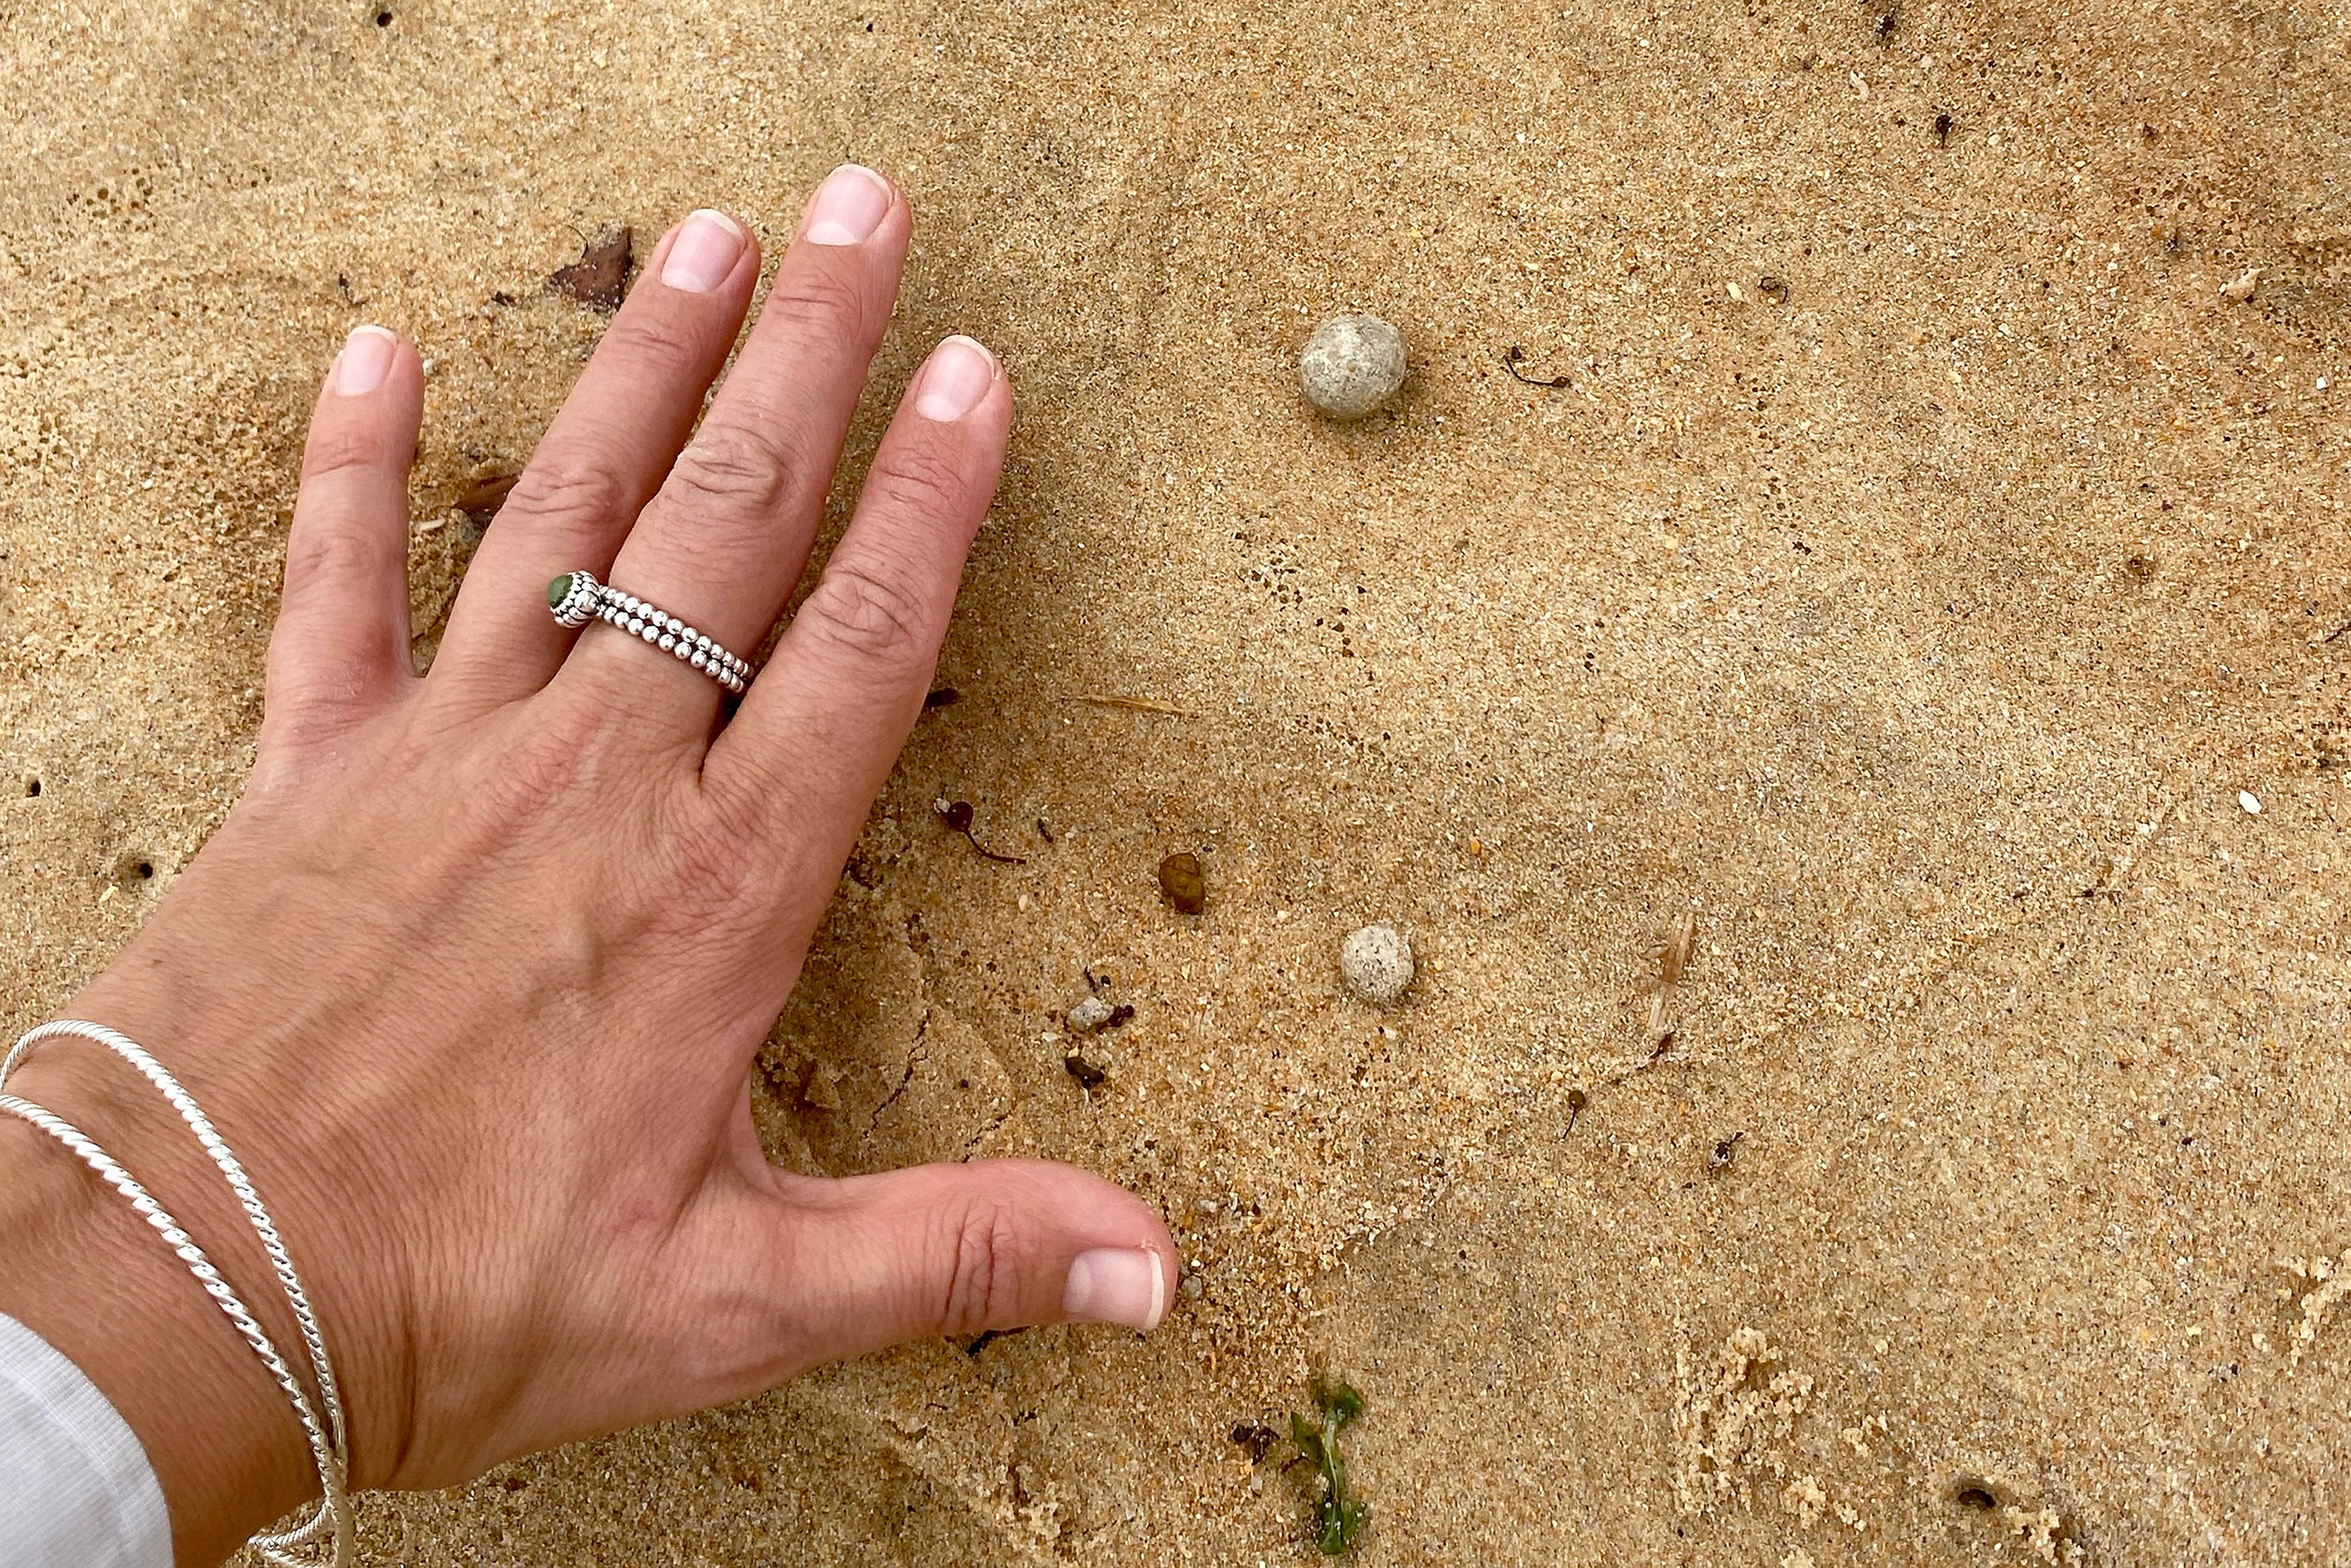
x=1920, y=565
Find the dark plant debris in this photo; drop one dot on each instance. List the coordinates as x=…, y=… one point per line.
x=987, y=1338
x=1723, y=1151
x=944, y=696
x=1773, y=289
x=957, y=815
x=1043, y=832
x=1257, y=1438
x=1338, y=1517
x=1089, y=1077
x=600, y=279
x=1576, y=1100
x=1515, y=356
x=1183, y=882
x=1942, y=129
x=481, y=499
x=1889, y=22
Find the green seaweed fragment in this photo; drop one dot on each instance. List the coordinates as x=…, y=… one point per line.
x=1338, y=1517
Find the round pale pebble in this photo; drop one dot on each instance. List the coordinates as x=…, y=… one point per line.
x=1087, y=1016
x=1351, y=365
x=1375, y=963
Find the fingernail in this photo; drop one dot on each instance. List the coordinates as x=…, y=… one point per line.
x=849, y=207
x=954, y=378
x=705, y=251
x=1116, y=1285
x=365, y=360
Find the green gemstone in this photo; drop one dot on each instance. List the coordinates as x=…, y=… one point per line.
x=556, y=590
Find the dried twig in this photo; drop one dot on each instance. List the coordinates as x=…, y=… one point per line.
x=1516, y=356
x=1672, y=955
x=1139, y=705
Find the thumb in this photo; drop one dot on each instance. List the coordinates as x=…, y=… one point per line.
x=864, y=1262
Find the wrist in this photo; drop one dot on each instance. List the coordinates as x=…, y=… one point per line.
x=106, y=1291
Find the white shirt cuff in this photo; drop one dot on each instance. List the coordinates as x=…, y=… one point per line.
x=76, y=1489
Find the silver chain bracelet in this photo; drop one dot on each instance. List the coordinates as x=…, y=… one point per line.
x=322, y=1422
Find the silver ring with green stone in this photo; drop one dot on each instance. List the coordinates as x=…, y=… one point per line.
x=577, y=598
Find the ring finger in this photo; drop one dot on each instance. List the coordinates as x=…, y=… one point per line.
x=722, y=543
x=601, y=460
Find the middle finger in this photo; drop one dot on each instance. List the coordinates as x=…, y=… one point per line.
x=726, y=536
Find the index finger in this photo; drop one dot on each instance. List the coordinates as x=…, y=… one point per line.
x=822, y=725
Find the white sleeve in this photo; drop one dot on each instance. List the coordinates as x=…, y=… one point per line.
x=76, y=1490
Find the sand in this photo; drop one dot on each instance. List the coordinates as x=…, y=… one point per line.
x=1912, y=622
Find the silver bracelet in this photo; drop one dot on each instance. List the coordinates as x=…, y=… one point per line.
x=322, y=1423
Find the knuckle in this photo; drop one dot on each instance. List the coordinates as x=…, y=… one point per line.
x=869, y=611
x=982, y=1284
x=328, y=702
x=327, y=552
x=737, y=468
x=569, y=497
x=923, y=481
x=813, y=301
x=651, y=345
x=338, y=446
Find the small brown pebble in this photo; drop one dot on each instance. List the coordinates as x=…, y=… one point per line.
x=600, y=279
x=1183, y=882
x=1089, y=1077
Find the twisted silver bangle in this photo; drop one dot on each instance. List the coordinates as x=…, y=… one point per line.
x=325, y=1432
x=577, y=598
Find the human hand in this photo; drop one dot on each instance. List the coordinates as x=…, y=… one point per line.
x=474, y=975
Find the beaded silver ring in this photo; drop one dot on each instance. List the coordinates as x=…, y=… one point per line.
x=577, y=598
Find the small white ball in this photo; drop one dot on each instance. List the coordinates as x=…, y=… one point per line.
x=1351, y=365
x=1087, y=1016
x=1375, y=963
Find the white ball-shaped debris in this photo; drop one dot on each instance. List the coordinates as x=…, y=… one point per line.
x=1351, y=365
x=1087, y=1016
x=1375, y=963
